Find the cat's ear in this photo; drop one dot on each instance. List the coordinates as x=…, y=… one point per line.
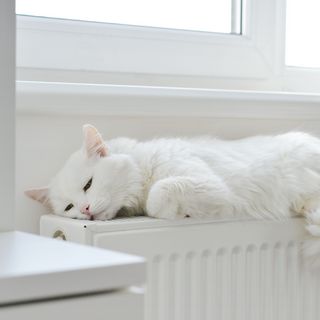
x=39, y=194
x=93, y=142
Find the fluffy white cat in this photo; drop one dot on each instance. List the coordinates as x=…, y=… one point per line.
x=265, y=177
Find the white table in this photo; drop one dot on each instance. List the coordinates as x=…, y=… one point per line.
x=39, y=276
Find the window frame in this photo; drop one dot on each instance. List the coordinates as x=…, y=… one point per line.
x=131, y=55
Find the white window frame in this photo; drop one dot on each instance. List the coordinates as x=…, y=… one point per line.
x=120, y=54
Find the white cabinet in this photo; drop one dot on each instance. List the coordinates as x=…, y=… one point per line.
x=42, y=278
x=116, y=305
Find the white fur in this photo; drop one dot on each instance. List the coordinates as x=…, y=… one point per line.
x=265, y=177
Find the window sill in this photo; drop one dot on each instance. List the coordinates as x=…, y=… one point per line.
x=121, y=100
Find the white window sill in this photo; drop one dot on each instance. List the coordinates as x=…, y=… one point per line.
x=123, y=100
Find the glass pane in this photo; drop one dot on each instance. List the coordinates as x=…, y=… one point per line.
x=201, y=15
x=302, y=34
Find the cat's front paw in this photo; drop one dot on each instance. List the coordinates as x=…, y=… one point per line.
x=313, y=219
x=162, y=203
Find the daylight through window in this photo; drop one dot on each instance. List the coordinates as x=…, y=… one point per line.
x=223, y=16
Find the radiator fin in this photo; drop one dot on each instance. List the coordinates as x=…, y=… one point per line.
x=266, y=281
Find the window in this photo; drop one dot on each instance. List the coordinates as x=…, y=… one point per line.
x=223, y=16
x=302, y=33
x=222, y=44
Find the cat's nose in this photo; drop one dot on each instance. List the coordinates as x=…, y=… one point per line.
x=85, y=209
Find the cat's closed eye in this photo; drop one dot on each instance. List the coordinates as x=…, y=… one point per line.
x=88, y=185
x=68, y=207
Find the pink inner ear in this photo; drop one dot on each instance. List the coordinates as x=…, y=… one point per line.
x=103, y=151
x=38, y=194
x=93, y=142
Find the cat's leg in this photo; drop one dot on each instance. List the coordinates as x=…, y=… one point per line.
x=179, y=197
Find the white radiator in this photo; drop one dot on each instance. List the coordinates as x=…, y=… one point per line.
x=209, y=269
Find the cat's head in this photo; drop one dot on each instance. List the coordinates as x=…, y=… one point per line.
x=94, y=184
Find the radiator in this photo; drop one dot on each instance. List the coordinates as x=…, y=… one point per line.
x=209, y=269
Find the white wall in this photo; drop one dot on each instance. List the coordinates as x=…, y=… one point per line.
x=7, y=93
x=44, y=139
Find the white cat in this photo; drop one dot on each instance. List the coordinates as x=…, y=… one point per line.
x=266, y=176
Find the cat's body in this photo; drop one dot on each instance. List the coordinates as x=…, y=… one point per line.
x=259, y=176
x=265, y=177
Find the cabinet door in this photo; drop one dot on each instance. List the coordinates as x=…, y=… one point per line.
x=114, y=305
